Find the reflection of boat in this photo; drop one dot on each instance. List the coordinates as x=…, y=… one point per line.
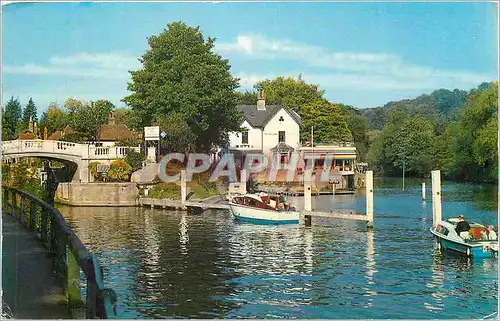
x=262, y=209
x=477, y=245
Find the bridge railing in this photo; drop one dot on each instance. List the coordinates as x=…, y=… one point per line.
x=68, y=251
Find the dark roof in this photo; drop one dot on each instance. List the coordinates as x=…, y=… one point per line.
x=61, y=133
x=259, y=118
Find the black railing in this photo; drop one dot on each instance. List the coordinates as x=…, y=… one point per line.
x=68, y=251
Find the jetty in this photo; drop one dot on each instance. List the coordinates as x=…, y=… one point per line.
x=306, y=216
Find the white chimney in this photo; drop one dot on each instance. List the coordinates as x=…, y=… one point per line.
x=261, y=100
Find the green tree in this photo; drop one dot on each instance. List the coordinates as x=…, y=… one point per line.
x=135, y=159
x=289, y=92
x=473, y=145
x=54, y=119
x=180, y=73
x=127, y=117
x=358, y=126
x=249, y=97
x=329, y=123
x=29, y=113
x=87, y=117
x=179, y=137
x=12, y=119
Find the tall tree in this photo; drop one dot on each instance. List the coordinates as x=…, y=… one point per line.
x=29, y=113
x=128, y=117
x=55, y=118
x=290, y=92
x=329, y=123
x=87, y=117
x=180, y=73
x=13, y=114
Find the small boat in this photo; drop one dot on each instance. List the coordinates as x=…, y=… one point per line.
x=478, y=245
x=262, y=209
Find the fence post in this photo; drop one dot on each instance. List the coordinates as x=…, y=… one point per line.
x=73, y=280
x=22, y=211
x=91, y=297
x=6, y=200
x=14, y=204
x=32, y=216
x=44, y=226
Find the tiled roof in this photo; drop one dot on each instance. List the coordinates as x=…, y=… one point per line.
x=114, y=132
x=259, y=118
x=25, y=134
x=61, y=133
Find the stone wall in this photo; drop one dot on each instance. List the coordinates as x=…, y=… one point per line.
x=97, y=194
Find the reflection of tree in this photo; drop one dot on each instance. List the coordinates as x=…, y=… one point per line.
x=190, y=272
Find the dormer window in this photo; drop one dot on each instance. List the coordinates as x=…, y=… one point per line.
x=244, y=137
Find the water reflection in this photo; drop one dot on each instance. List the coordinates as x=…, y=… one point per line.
x=166, y=264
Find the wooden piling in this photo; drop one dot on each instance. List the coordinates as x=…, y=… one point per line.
x=369, y=198
x=183, y=187
x=423, y=191
x=307, y=220
x=436, y=197
x=243, y=181
x=307, y=190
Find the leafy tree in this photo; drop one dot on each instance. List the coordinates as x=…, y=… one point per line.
x=87, y=117
x=12, y=118
x=329, y=123
x=289, y=92
x=473, y=147
x=29, y=113
x=179, y=137
x=54, y=119
x=358, y=126
x=134, y=159
x=128, y=117
x=180, y=73
x=249, y=97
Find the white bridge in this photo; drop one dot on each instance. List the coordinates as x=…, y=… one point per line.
x=79, y=154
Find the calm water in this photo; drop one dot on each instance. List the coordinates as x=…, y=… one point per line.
x=168, y=264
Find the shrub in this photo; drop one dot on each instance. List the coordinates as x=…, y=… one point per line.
x=165, y=190
x=135, y=159
x=119, y=171
x=93, y=169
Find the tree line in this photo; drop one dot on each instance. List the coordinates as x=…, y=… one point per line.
x=186, y=88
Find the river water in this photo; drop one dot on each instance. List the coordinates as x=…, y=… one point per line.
x=169, y=264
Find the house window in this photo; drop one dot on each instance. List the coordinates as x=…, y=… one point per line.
x=281, y=137
x=281, y=119
x=244, y=137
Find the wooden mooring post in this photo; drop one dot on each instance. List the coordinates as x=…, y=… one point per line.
x=436, y=197
x=307, y=214
x=423, y=191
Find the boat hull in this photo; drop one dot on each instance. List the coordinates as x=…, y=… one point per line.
x=474, y=250
x=263, y=216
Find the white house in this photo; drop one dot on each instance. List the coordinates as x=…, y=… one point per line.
x=270, y=129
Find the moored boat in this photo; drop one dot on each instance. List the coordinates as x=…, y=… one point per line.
x=262, y=209
x=477, y=244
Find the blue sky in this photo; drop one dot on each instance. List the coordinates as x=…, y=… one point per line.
x=362, y=54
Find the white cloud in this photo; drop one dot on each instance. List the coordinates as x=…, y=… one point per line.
x=98, y=65
x=350, y=69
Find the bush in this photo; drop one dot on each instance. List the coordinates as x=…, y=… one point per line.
x=135, y=159
x=17, y=176
x=93, y=169
x=166, y=190
x=119, y=171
